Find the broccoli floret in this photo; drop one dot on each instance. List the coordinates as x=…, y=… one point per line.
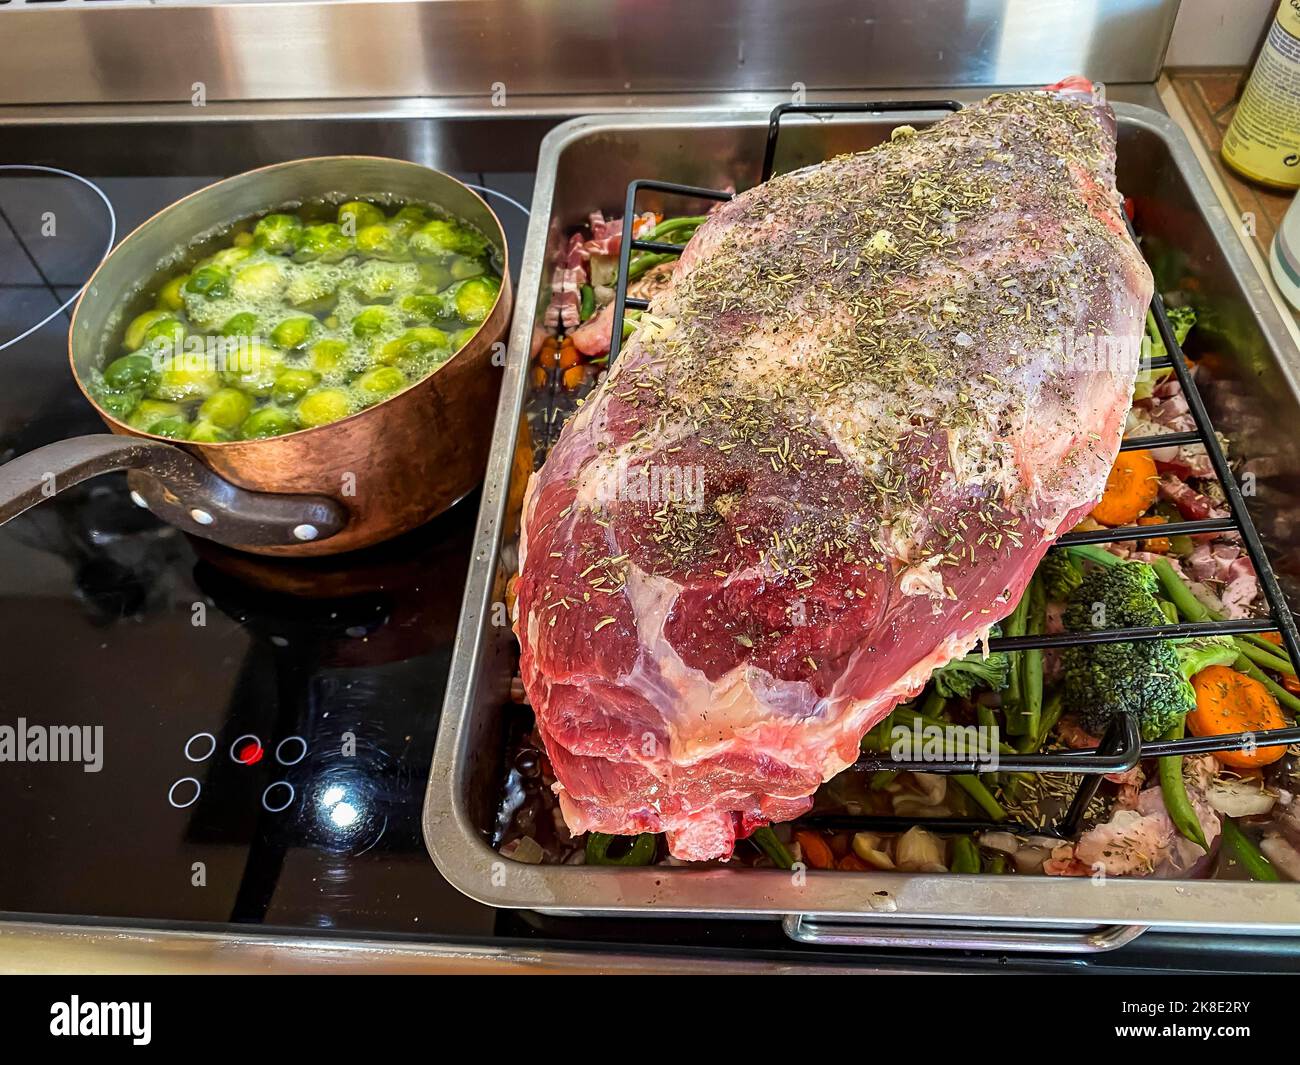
x=1181, y=320
x=1060, y=575
x=962, y=676
x=1142, y=678
x=1201, y=652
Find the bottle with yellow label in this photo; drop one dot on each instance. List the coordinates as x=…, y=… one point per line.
x=1263, y=141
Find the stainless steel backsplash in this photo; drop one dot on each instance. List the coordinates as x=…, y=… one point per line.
x=490, y=52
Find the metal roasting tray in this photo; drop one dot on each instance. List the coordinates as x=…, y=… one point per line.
x=1251, y=384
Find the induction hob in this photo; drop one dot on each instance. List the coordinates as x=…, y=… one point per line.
x=267, y=726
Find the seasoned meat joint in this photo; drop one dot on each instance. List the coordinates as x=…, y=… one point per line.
x=826, y=462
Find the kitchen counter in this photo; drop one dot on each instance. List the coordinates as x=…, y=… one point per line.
x=1202, y=102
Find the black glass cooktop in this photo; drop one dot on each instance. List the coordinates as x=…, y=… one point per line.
x=255, y=735
x=260, y=732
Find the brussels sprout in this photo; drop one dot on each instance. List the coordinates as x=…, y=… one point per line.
x=254, y=368
x=373, y=320
x=314, y=288
x=436, y=274
x=170, y=297
x=242, y=239
x=279, y=233
x=130, y=371
x=119, y=404
x=210, y=282
x=177, y=427
x=134, y=336
x=165, y=334
x=382, y=241
x=326, y=243
x=323, y=406
x=227, y=257
x=206, y=314
x=463, y=268
x=294, y=332
x=184, y=385
x=425, y=306
x=358, y=214
x=292, y=385
x=226, y=408
x=379, y=382
x=462, y=337
x=151, y=411
x=244, y=324
x=409, y=219
x=267, y=421
x=474, y=298
x=262, y=280
x=209, y=433
x=377, y=281
x=441, y=238
x=326, y=356
x=411, y=345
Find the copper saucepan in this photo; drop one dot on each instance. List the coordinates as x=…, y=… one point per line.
x=318, y=491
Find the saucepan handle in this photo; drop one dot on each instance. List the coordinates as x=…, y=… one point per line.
x=173, y=484
x=807, y=928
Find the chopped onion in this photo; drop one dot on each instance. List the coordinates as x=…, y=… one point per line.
x=1235, y=797
x=919, y=851
x=1030, y=859
x=1285, y=858
x=870, y=847
x=525, y=849
x=1000, y=841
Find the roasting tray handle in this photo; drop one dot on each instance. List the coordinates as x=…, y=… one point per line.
x=808, y=928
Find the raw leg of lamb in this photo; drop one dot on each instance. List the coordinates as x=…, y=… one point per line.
x=826, y=462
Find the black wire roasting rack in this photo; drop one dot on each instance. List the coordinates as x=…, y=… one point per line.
x=1121, y=747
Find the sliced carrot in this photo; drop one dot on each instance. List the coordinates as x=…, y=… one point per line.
x=1131, y=488
x=539, y=377
x=549, y=354
x=816, y=851
x=569, y=356
x=1228, y=702
x=574, y=377
x=1160, y=545
x=851, y=863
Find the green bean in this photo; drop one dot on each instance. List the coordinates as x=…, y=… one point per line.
x=1031, y=682
x=1247, y=854
x=766, y=840
x=644, y=262
x=996, y=864
x=1093, y=553
x=1263, y=658
x=629, y=322
x=1013, y=698
x=933, y=703
x=1272, y=648
x=882, y=778
x=1172, y=787
x=1052, y=710
x=669, y=224
x=587, y=302
x=1245, y=665
x=970, y=784
x=965, y=855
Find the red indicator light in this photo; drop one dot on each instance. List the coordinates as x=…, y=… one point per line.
x=250, y=753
